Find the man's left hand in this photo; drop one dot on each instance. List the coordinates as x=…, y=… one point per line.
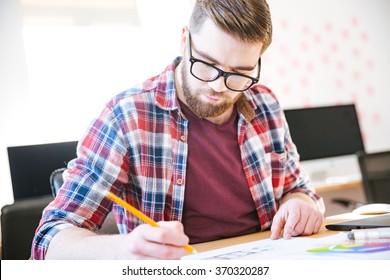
x=297, y=215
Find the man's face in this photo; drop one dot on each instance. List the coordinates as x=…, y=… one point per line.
x=204, y=101
x=211, y=99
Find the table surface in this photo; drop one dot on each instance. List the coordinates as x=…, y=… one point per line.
x=212, y=245
x=321, y=188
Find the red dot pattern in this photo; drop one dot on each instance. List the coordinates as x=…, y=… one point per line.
x=322, y=63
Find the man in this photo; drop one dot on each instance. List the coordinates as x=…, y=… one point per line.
x=202, y=148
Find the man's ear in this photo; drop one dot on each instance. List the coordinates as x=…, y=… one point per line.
x=183, y=39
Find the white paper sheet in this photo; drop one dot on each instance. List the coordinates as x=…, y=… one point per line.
x=293, y=249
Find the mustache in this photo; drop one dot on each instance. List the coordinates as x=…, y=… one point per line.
x=210, y=92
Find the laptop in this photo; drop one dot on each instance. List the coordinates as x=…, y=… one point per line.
x=370, y=222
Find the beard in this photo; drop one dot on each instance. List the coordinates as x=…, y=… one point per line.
x=196, y=104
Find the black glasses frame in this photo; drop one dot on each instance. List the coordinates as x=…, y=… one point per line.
x=222, y=73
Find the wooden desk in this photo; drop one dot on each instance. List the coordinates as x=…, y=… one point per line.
x=350, y=191
x=212, y=245
x=337, y=187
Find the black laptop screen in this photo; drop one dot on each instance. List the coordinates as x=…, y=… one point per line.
x=322, y=132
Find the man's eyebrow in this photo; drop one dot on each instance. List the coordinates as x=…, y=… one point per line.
x=208, y=57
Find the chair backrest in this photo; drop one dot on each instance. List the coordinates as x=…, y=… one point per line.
x=56, y=180
x=18, y=224
x=375, y=169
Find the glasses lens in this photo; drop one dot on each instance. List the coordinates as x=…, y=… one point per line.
x=203, y=71
x=237, y=82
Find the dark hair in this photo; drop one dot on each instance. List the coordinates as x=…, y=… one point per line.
x=247, y=20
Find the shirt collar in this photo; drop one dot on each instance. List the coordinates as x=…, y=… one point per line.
x=165, y=87
x=246, y=106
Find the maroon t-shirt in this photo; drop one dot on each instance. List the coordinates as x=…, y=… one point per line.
x=217, y=202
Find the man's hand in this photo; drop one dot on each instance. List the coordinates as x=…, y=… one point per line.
x=164, y=242
x=297, y=215
x=144, y=242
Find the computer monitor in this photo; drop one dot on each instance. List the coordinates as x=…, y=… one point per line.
x=31, y=166
x=327, y=139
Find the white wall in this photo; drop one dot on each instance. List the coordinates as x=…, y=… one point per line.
x=56, y=73
x=332, y=52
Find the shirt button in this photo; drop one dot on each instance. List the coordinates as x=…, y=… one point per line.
x=183, y=138
x=179, y=181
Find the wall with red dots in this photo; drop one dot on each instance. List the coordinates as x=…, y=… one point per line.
x=333, y=52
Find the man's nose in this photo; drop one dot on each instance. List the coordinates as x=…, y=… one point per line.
x=218, y=85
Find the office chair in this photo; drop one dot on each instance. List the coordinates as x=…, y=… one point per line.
x=18, y=224
x=56, y=180
x=30, y=167
x=375, y=169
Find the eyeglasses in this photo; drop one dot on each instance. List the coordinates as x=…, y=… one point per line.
x=207, y=72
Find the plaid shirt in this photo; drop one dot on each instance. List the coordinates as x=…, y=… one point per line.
x=137, y=148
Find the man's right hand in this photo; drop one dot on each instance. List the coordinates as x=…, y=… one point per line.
x=144, y=242
x=164, y=242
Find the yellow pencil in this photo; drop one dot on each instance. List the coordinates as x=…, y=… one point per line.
x=141, y=215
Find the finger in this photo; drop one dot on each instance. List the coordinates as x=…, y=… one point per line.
x=304, y=224
x=171, y=233
x=313, y=224
x=292, y=220
x=160, y=251
x=318, y=223
x=277, y=226
x=154, y=242
x=144, y=249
